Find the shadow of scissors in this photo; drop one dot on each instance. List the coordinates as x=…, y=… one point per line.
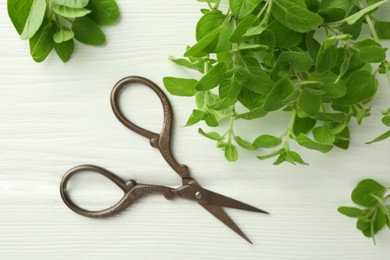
x=190, y=189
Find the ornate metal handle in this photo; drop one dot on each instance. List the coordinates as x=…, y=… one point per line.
x=132, y=192
x=161, y=141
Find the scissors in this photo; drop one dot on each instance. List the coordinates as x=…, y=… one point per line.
x=190, y=189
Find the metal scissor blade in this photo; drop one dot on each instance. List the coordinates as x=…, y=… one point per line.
x=220, y=200
x=220, y=214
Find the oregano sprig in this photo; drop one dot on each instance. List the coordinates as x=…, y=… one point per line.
x=375, y=214
x=304, y=57
x=54, y=24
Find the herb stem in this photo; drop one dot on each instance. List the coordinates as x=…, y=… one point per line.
x=263, y=9
x=216, y=6
x=372, y=28
x=289, y=131
x=369, y=22
x=210, y=6
x=231, y=124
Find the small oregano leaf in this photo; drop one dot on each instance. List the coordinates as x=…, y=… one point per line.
x=231, y=153
x=350, y=211
x=86, y=31
x=180, y=86
x=41, y=44
x=64, y=50
x=103, y=12
x=361, y=195
x=34, y=20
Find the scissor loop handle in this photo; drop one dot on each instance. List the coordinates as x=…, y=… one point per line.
x=132, y=192
x=115, y=209
x=162, y=141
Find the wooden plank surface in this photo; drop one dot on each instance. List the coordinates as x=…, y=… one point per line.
x=54, y=116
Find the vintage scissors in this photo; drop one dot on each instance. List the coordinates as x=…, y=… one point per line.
x=190, y=189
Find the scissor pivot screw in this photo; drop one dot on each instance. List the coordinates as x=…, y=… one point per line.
x=198, y=195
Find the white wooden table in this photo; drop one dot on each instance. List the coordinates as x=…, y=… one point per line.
x=54, y=116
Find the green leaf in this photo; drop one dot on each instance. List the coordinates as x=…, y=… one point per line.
x=72, y=3
x=254, y=47
x=64, y=50
x=303, y=125
x=301, y=61
x=334, y=88
x=242, y=28
x=327, y=56
x=284, y=37
x=305, y=141
x=211, y=135
x=86, y=31
x=361, y=86
x=377, y=222
x=380, y=138
x=350, y=211
x=387, y=112
x=200, y=48
x=279, y=92
x=295, y=16
x=210, y=119
x=242, y=8
x=267, y=141
x=180, y=86
x=230, y=88
x=386, y=120
x=231, y=153
x=370, y=51
x=357, y=16
x=195, y=117
x=331, y=117
x=212, y=79
x=41, y=44
x=104, y=12
x=361, y=195
x=382, y=29
x=296, y=158
x=323, y=135
x=69, y=12
x=63, y=34
x=209, y=23
x=272, y=154
x=245, y=144
x=268, y=38
x=221, y=104
x=333, y=11
x=34, y=20
x=18, y=11
x=292, y=97
x=255, y=113
x=309, y=103
x=199, y=66
x=256, y=30
x=258, y=81
x=212, y=34
x=312, y=44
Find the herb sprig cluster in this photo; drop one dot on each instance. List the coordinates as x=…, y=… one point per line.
x=303, y=57
x=54, y=24
x=376, y=212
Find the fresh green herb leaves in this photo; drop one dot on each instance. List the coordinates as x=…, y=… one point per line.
x=54, y=24
x=375, y=215
x=263, y=56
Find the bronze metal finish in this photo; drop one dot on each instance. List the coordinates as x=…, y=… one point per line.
x=191, y=190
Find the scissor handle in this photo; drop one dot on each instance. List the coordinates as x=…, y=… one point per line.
x=162, y=141
x=132, y=192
